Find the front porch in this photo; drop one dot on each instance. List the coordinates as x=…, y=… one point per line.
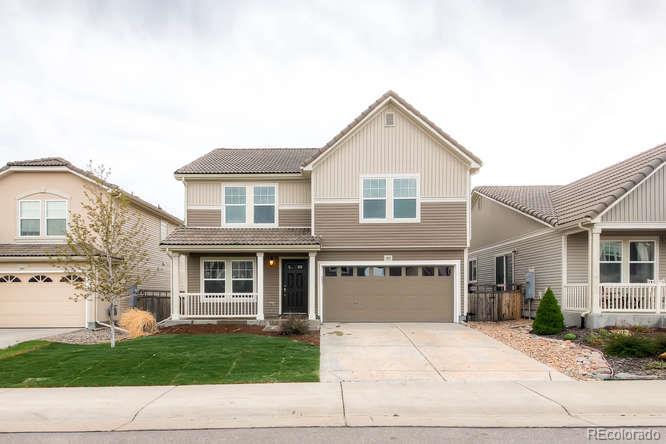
x=614, y=276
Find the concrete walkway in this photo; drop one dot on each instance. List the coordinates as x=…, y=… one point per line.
x=422, y=352
x=498, y=404
x=12, y=336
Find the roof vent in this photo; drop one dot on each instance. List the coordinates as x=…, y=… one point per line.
x=389, y=119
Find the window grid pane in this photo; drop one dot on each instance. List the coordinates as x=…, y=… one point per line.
x=611, y=251
x=234, y=195
x=374, y=188
x=56, y=210
x=404, y=188
x=264, y=195
x=31, y=210
x=241, y=270
x=641, y=251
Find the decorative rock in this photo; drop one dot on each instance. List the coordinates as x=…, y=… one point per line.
x=662, y=356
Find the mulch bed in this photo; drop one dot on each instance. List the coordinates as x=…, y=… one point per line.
x=208, y=329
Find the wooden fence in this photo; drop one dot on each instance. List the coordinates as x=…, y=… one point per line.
x=490, y=304
x=158, y=302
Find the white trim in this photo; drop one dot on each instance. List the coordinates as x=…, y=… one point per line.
x=625, y=242
x=185, y=202
x=389, y=198
x=336, y=201
x=468, y=212
x=465, y=272
x=228, y=268
x=564, y=254
x=398, y=247
x=514, y=209
x=454, y=262
x=294, y=206
x=62, y=195
x=249, y=205
x=472, y=163
x=259, y=278
x=204, y=207
x=473, y=259
x=245, y=248
x=632, y=226
x=46, y=219
x=601, y=215
x=33, y=271
x=517, y=239
x=312, y=276
x=513, y=268
x=443, y=199
x=19, y=218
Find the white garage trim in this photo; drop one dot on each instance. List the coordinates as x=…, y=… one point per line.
x=456, y=278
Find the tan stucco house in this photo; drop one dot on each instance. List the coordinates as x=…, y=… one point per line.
x=598, y=242
x=373, y=226
x=38, y=197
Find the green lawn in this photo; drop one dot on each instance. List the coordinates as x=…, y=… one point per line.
x=160, y=360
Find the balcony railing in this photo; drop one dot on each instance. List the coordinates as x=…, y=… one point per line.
x=576, y=297
x=218, y=305
x=637, y=298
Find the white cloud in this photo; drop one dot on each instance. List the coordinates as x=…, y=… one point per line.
x=543, y=92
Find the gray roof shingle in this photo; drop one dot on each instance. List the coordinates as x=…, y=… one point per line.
x=249, y=161
x=582, y=199
x=35, y=250
x=240, y=236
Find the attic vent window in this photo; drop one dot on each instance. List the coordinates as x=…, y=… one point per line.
x=389, y=119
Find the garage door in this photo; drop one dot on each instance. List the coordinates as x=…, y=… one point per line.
x=388, y=294
x=44, y=302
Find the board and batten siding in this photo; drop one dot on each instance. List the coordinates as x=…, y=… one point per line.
x=405, y=148
x=645, y=203
x=443, y=224
x=208, y=193
x=493, y=223
x=577, y=258
x=399, y=255
x=543, y=253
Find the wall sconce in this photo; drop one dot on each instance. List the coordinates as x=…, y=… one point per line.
x=272, y=261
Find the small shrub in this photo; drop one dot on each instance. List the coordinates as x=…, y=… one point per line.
x=660, y=340
x=569, y=337
x=138, y=322
x=656, y=365
x=549, y=319
x=631, y=346
x=604, y=333
x=294, y=325
x=594, y=339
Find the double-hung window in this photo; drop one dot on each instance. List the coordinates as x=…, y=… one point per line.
x=264, y=204
x=30, y=217
x=641, y=261
x=610, y=261
x=242, y=276
x=235, y=200
x=56, y=217
x=214, y=277
x=218, y=272
x=390, y=199
x=504, y=271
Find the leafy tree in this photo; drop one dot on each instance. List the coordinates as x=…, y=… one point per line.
x=549, y=319
x=110, y=238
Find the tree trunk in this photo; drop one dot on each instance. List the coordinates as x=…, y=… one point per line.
x=111, y=322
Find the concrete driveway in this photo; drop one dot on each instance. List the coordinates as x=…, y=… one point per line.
x=12, y=336
x=426, y=352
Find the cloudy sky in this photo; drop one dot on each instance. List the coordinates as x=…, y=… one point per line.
x=543, y=92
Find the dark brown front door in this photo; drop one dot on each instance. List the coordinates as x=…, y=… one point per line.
x=294, y=286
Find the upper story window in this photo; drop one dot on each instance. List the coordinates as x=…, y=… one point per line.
x=390, y=199
x=30, y=217
x=250, y=205
x=42, y=218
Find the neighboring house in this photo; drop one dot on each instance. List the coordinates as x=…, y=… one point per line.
x=39, y=196
x=373, y=226
x=599, y=242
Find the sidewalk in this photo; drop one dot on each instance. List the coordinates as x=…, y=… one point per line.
x=499, y=404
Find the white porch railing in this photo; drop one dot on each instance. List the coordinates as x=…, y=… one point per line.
x=218, y=305
x=576, y=297
x=637, y=298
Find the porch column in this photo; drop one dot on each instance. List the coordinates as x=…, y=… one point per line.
x=312, y=275
x=260, y=285
x=175, y=286
x=595, y=254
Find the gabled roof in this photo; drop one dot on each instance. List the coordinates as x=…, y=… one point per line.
x=249, y=161
x=240, y=236
x=293, y=160
x=532, y=200
x=393, y=95
x=59, y=162
x=583, y=199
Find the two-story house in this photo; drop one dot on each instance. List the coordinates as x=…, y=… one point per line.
x=38, y=197
x=373, y=226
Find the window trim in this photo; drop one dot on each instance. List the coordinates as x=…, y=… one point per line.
x=228, y=278
x=513, y=269
x=653, y=261
x=621, y=261
x=625, y=241
x=19, y=218
x=46, y=218
x=249, y=205
x=390, y=200
x=469, y=270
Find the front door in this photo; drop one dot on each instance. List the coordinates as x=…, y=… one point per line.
x=294, y=286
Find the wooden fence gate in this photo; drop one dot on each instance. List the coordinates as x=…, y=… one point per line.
x=157, y=302
x=490, y=304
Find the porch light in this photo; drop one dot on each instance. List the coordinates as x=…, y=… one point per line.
x=272, y=261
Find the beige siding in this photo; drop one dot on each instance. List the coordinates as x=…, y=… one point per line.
x=399, y=255
x=443, y=224
x=294, y=217
x=543, y=253
x=577, y=260
x=646, y=203
x=204, y=218
x=208, y=193
x=493, y=223
x=375, y=149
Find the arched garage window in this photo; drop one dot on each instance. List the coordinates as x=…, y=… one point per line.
x=71, y=278
x=40, y=278
x=9, y=278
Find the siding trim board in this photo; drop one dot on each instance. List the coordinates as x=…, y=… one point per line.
x=510, y=241
x=332, y=263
